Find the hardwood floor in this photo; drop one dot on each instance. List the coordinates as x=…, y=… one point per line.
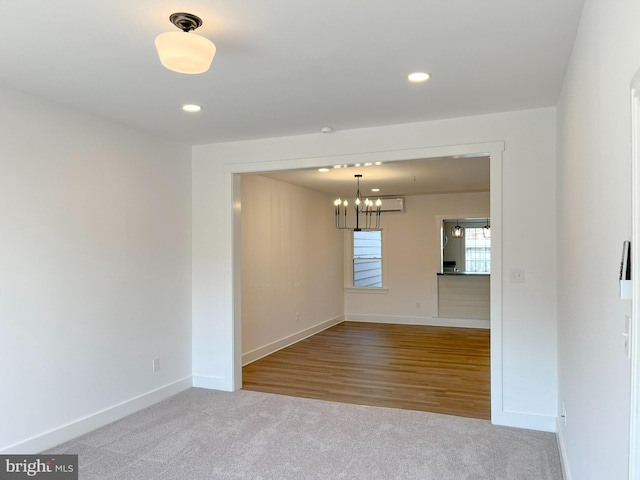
x=434, y=369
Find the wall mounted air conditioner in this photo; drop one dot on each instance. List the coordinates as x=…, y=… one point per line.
x=392, y=205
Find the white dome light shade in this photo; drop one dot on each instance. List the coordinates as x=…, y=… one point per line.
x=185, y=52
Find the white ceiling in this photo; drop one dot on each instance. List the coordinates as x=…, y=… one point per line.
x=288, y=67
x=415, y=177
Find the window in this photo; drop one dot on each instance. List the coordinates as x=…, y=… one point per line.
x=477, y=251
x=367, y=259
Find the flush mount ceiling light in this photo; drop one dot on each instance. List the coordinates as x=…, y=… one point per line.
x=418, y=77
x=185, y=52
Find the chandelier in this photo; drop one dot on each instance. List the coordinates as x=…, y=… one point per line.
x=367, y=209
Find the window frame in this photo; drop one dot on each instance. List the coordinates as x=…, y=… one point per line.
x=351, y=287
x=469, y=231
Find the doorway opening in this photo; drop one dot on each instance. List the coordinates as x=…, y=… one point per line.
x=492, y=150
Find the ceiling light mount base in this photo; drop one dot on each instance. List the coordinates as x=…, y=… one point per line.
x=185, y=21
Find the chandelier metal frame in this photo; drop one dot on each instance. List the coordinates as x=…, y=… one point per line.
x=370, y=209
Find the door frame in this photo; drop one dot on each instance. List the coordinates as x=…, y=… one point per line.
x=492, y=149
x=634, y=331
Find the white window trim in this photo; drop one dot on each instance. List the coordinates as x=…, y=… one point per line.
x=368, y=289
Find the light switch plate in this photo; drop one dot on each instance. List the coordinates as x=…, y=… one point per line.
x=516, y=275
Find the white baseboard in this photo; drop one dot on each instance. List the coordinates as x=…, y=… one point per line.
x=529, y=421
x=213, y=383
x=64, y=433
x=564, y=461
x=430, y=321
x=261, y=352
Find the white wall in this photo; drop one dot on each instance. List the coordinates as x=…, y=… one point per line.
x=594, y=205
x=411, y=250
x=528, y=328
x=292, y=264
x=95, y=272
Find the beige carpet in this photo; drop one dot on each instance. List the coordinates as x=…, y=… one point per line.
x=205, y=434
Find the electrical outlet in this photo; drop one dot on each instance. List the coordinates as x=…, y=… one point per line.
x=564, y=415
x=156, y=364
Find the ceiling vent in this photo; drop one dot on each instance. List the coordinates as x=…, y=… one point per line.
x=392, y=204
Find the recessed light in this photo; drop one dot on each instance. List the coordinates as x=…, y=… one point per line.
x=326, y=130
x=378, y=163
x=357, y=165
x=417, y=77
x=368, y=164
x=323, y=170
x=337, y=166
x=191, y=108
x=375, y=189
